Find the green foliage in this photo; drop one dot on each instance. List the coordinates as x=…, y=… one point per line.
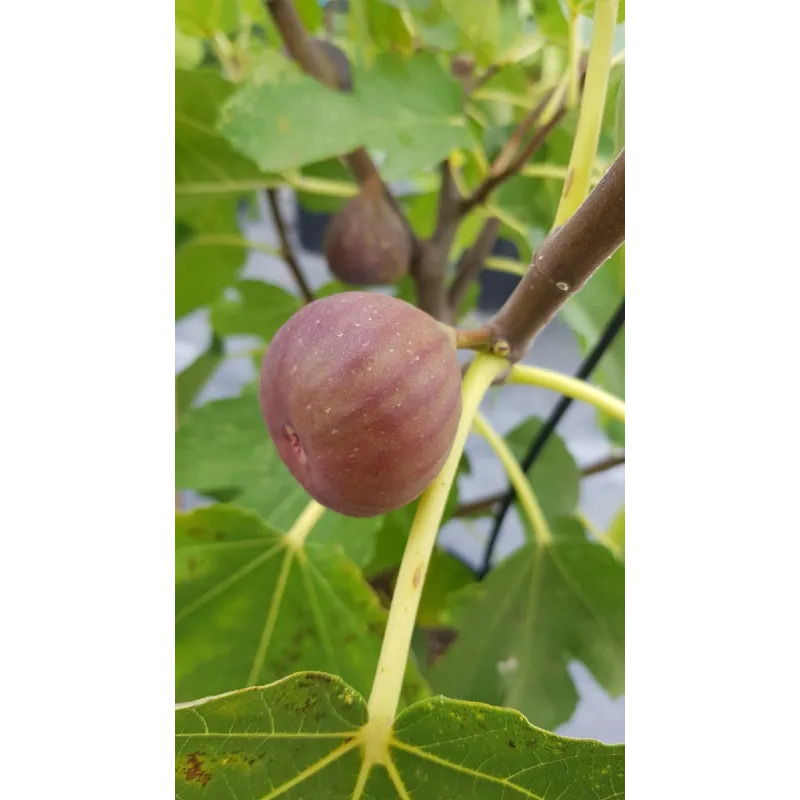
x=257, y=309
x=277, y=125
x=249, y=609
x=252, y=610
x=191, y=381
x=298, y=739
x=225, y=444
x=534, y=613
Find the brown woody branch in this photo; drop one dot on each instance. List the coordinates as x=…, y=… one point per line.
x=471, y=262
x=566, y=260
x=286, y=246
x=429, y=266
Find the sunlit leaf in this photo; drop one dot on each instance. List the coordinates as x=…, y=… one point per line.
x=479, y=23
x=200, y=154
x=188, y=51
x=534, y=613
x=550, y=19
x=204, y=17
x=616, y=533
x=301, y=739
x=249, y=609
x=408, y=109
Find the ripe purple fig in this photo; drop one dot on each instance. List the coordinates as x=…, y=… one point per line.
x=366, y=243
x=362, y=396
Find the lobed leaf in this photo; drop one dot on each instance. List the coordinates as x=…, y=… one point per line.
x=250, y=610
x=408, y=109
x=533, y=614
x=299, y=739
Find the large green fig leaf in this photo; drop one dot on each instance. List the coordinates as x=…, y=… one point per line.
x=202, y=156
x=225, y=445
x=299, y=739
x=534, y=613
x=409, y=109
x=250, y=609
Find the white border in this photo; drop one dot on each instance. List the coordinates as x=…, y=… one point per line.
x=86, y=270
x=712, y=436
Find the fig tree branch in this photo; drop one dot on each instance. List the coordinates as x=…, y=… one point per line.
x=286, y=246
x=566, y=260
x=429, y=265
x=516, y=151
x=471, y=262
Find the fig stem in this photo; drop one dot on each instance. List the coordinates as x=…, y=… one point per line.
x=482, y=339
x=569, y=386
x=303, y=525
x=517, y=478
x=569, y=256
x=386, y=688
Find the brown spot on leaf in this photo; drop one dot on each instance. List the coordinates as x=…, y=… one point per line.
x=195, y=771
x=417, y=579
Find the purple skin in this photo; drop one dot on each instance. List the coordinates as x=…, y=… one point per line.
x=362, y=396
x=365, y=243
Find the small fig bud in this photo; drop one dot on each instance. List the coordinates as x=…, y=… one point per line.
x=362, y=396
x=366, y=243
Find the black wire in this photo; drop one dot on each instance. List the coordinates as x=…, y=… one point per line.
x=537, y=445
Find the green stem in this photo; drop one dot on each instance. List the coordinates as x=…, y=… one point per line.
x=303, y=525
x=590, y=120
x=388, y=682
x=569, y=386
x=527, y=498
x=574, y=57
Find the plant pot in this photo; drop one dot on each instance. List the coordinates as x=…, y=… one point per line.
x=496, y=286
x=311, y=228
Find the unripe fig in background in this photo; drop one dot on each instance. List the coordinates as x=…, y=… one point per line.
x=362, y=396
x=366, y=243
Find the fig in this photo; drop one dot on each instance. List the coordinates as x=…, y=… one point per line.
x=361, y=394
x=366, y=242
x=338, y=60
